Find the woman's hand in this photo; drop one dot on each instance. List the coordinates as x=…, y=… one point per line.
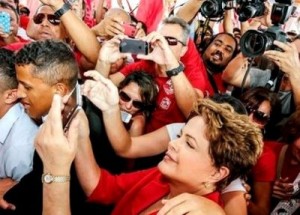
x=101, y=91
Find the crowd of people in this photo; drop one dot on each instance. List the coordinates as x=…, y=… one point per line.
x=191, y=124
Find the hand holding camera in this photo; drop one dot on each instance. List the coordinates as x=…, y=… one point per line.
x=109, y=52
x=287, y=59
x=160, y=51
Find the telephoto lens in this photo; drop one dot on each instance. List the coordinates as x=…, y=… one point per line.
x=212, y=8
x=250, y=9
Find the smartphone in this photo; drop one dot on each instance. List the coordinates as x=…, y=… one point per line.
x=129, y=30
x=72, y=107
x=134, y=46
x=5, y=21
x=126, y=117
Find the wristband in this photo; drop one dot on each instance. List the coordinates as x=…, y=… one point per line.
x=230, y=5
x=48, y=178
x=175, y=71
x=62, y=10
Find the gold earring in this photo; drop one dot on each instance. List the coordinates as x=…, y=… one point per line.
x=207, y=185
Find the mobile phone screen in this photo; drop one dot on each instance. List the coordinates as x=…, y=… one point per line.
x=5, y=21
x=72, y=107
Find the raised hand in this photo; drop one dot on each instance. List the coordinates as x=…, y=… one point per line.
x=109, y=52
x=161, y=52
x=57, y=149
x=101, y=91
x=287, y=59
x=109, y=26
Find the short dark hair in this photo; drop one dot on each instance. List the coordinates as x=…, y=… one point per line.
x=236, y=49
x=7, y=69
x=237, y=105
x=53, y=61
x=148, y=89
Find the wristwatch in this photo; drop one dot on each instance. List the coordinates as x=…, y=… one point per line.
x=175, y=71
x=62, y=10
x=48, y=178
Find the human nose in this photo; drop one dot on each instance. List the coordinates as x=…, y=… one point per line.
x=173, y=144
x=21, y=93
x=45, y=21
x=128, y=105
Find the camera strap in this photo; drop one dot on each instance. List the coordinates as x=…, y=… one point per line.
x=276, y=77
x=250, y=60
x=212, y=82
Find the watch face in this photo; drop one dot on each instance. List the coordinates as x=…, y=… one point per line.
x=48, y=178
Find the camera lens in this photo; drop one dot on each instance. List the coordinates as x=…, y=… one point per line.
x=211, y=9
x=253, y=43
x=247, y=13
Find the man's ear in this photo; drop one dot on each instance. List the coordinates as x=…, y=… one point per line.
x=61, y=89
x=10, y=96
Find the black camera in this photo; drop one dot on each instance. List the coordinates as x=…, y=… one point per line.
x=250, y=8
x=254, y=43
x=212, y=8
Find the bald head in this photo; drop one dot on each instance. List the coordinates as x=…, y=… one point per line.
x=118, y=13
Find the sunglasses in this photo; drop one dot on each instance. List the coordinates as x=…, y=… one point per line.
x=172, y=41
x=125, y=98
x=39, y=18
x=258, y=116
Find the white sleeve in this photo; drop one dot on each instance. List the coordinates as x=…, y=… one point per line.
x=174, y=130
x=235, y=185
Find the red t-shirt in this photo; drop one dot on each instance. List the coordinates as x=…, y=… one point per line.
x=134, y=192
x=167, y=111
x=265, y=168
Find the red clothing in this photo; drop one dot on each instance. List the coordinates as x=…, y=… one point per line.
x=265, y=168
x=16, y=46
x=24, y=21
x=219, y=82
x=134, y=192
x=167, y=111
x=150, y=13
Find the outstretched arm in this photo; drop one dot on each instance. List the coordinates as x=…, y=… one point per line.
x=57, y=151
x=104, y=94
x=189, y=10
x=84, y=39
x=289, y=63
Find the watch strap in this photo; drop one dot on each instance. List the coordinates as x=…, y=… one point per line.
x=175, y=71
x=62, y=10
x=48, y=178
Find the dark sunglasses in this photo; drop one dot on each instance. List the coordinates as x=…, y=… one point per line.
x=258, y=116
x=39, y=18
x=137, y=104
x=172, y=41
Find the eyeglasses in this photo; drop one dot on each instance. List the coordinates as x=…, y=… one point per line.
x=39, y=18
x=172, y=41
x=124, y=97
x=258, y=116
